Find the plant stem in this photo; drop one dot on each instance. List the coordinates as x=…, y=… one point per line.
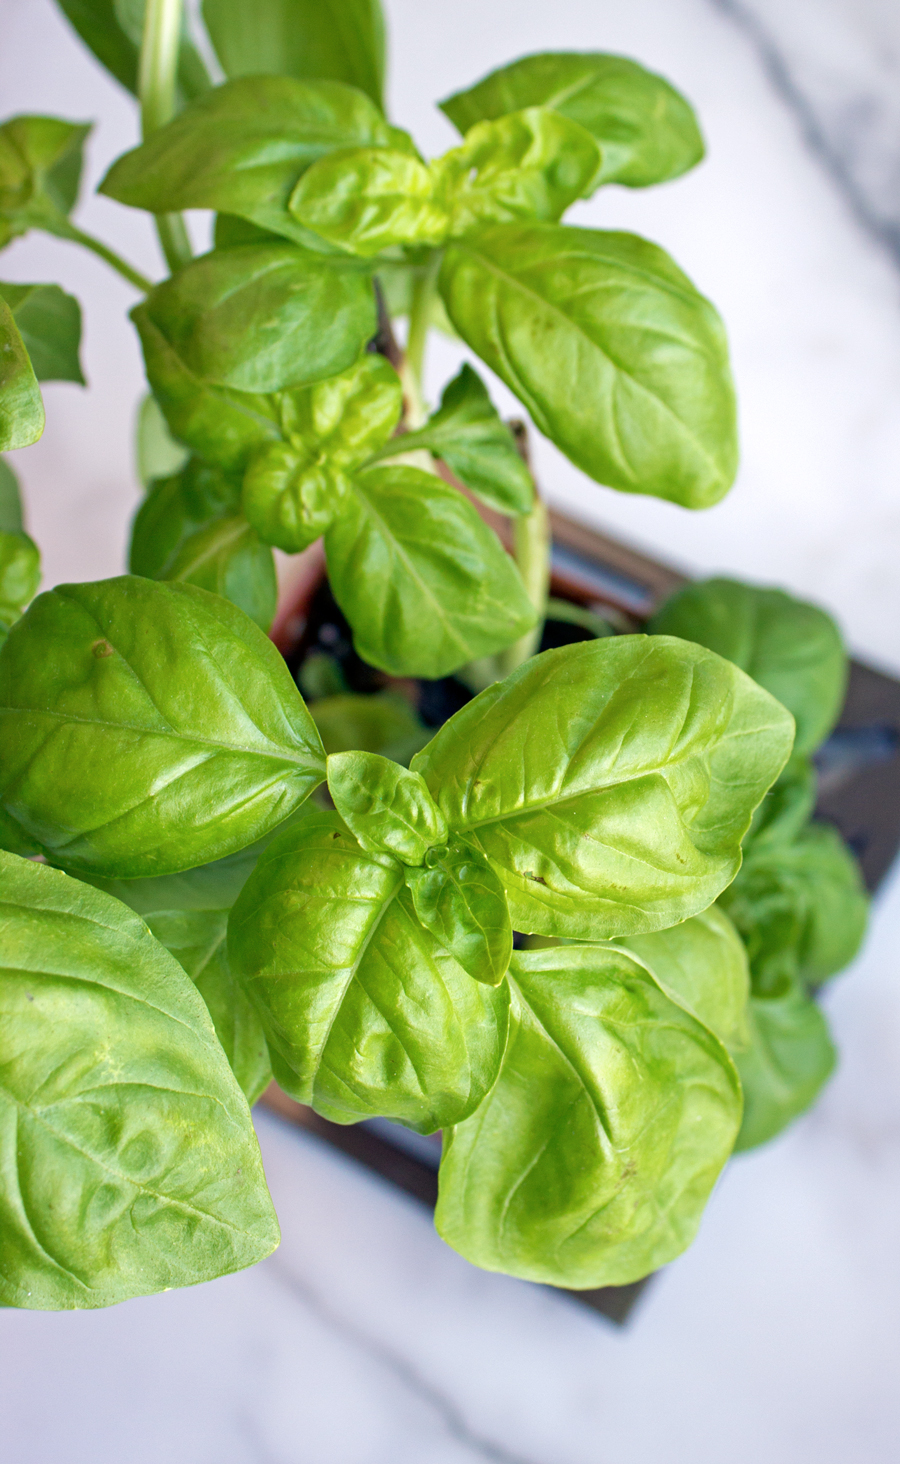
x=66, y=230
x=412, y=370
x=156, y=90
x=531, y=551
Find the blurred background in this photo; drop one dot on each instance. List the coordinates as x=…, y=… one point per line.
x=364, y=1340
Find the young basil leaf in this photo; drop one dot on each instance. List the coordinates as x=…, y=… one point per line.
x=787, y=807
x=242, y=148
x=646, y=130
x=590, y=1161
x=20, y=575
x=616, y=356
x=702, y=965
x=801, y=908
x=173, y=510
x=423, y=581
x=784, y=1067
x=609, y=782
x=292, y=491
x=382, y=722
x=531, y=164
x=21, y=405
x=196, y=938
x=224, y=427
x=370, y=199
x=790, y=647
x=252, y=318
x=40, y=170
x=468, y=434
x=132, y=1165
x=460, y=900
x=49, y=322
x=342, y=40
x=11, y=521
x=386, y=807
x=145, y=728
x=364, y=1011
x=112, y=29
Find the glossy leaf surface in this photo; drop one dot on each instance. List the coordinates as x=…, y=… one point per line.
x=241, y=149
x=40, y=170
x=387, y=808
x=618, y=358
x=129, y=1162
x=467, y=433
x=646, y=130
x=145, y=728
x=790, y=647
x=21, y=406
x=49, y=322
x=610, y=782
x=252, y=318
x=422, y=580
x=459, y=899
x=789, y=1058
x=342, y=40
x=364, y=1011
x=591, y=1159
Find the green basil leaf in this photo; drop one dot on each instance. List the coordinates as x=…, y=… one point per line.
x=701, y=964
x=242, y=148
x=13, y=837
x=646, y=130
x=228, y=558
x=790, y=647
x=590, y=1161
x=609, y=782
x=252, y=318
x=342, y=40
x=112, y=29
x=801, y=908
x=531, y=164
x=20, y=575
x=289, y=501
x=145, y=728
x=229, y=232
x=196, y=938
x=131, y=1162
x=49, y=323
x=11, y=521
x=224, y=427
x=460, y=900
x=423, y=581
x=364, y=1012
x=21, y=406
x=787, y=807
x=388, y=809
x=383, y=722
x=468, y=434
x=370, y=199
x=614, y=353
x=789, y=1059
x=40, y=170
x=172, y=512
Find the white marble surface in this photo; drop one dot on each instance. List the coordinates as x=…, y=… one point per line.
x=364, y=1340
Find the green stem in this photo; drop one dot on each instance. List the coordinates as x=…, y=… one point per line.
x=156, y=90
x=531, y=551
x=66, y=230
x=412, y=370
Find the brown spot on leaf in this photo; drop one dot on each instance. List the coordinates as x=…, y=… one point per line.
x=101, y=648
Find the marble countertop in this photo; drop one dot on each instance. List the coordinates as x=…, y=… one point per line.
x=364, y=1340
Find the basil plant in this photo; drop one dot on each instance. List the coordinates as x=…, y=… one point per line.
x=531, y=930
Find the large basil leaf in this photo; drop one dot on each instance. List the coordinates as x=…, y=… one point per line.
x=783, y=1068
x=225, y=427
x=790, y=647
x=252, y=318
x=49, y=322
x=365, y=1012
x=40, y=170
x=112, y=29
x=468, y=434
x=423, y=581
x=646, y=130
x=701, y=964
x=610, y=782
x=129, y=1163
x=145, y=728
x=21, y=406
x=383, y=722
x=801, y=908
x=342, y=40
x=614, y=353
x=590, y=1161
x=241, y=149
